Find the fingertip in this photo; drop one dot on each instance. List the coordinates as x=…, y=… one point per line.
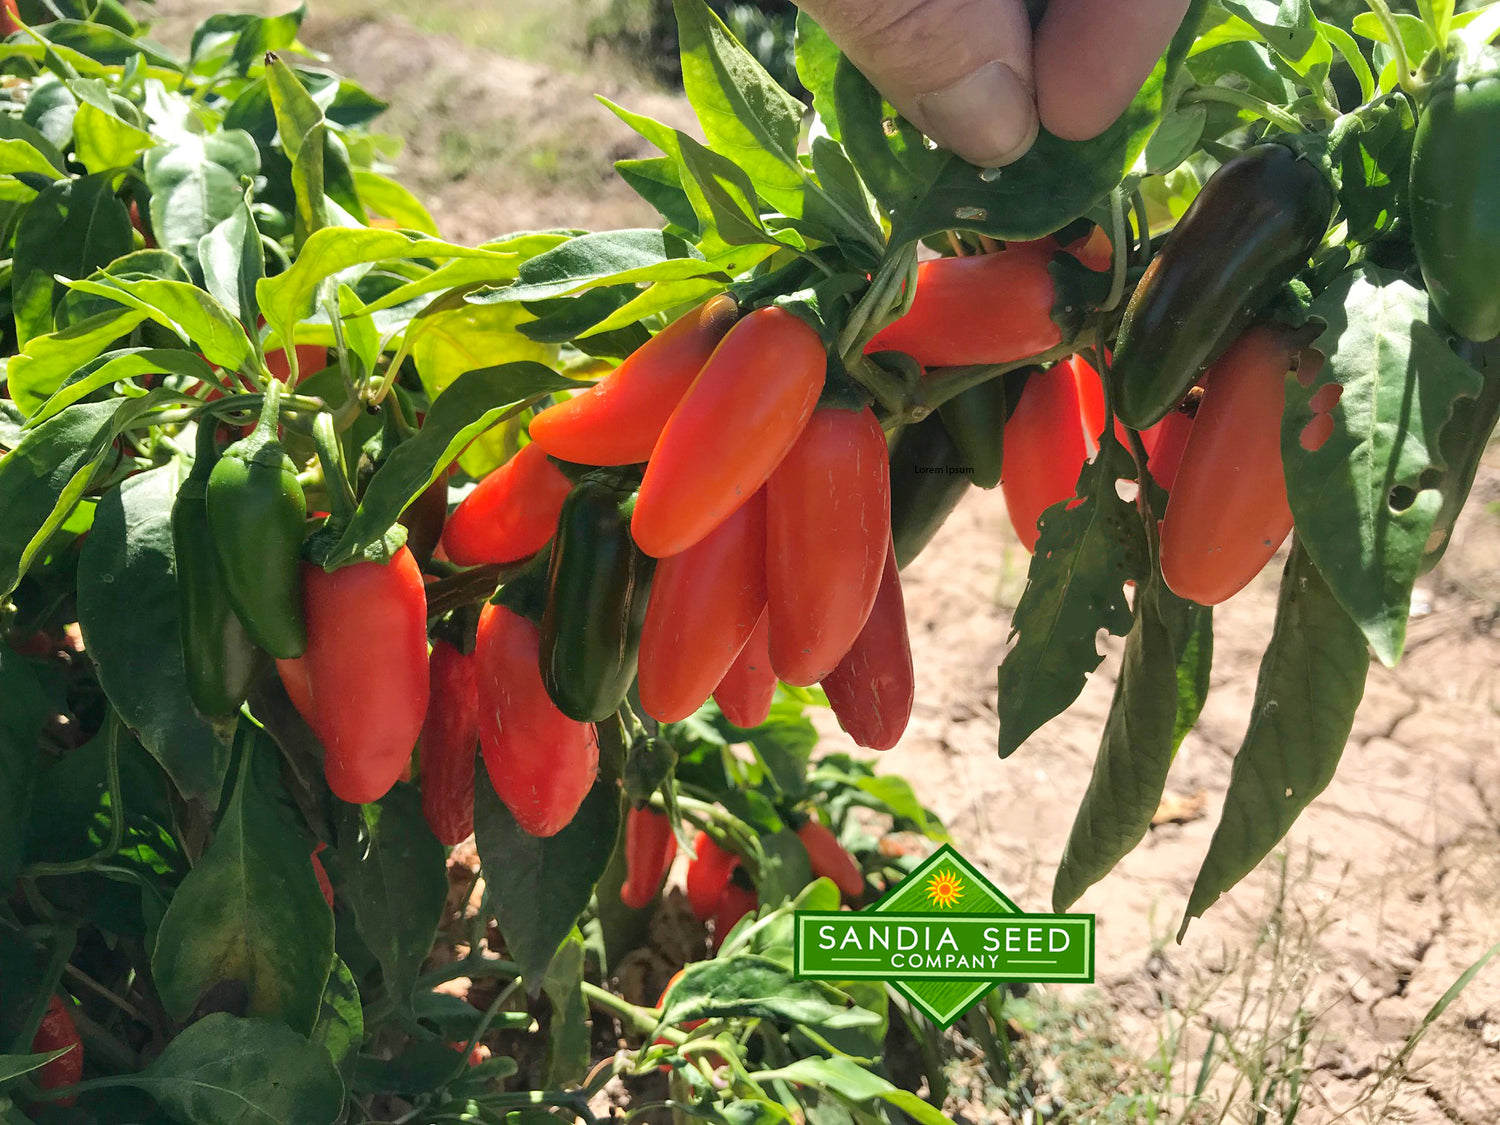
x=1092, y=58
x=988, y=117
x=959, y=70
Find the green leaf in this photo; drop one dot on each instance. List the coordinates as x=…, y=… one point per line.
x=928, y=191
x=745, y=115
x=13, y=1066
x=1374, y=165
x=1312, y=678
x=1344, y=44
x=242, y=39
x=187, y=310
x=734, y=256
x=394, y=879
x=1295, y=36
x=619, y=257
x=729, y=194
x=854, y=1084
x=42, y=478
x=752, y=987
x=251, y=910
x=385, y=196
x=112, y=367
x=246, y=1071
x=128, y=610
x=20, y=136
x=195, y=186
x=471, y=273
x=300, y=124
x=1075, y=587
x=71, y=229
x=448, y=345
x=138, y=265
x=425, y=1066
x=1195, y=659
x=103, y=142
x=784, y=742
x=233, y=261
x=94, y=43
x=467, y=407
x=1359, y=503
x=23, y=156
x=50, y=110
x=663, y=296
x=658, y=180
x=1136, y=751
x=896, y=796
x=782, y=868
x=341, y=1019
x=49, y=361
x=568, y=1048
x=23, y=710
x=1176, y=139
x=817, y=64
x=291, y=296
x=538, y=886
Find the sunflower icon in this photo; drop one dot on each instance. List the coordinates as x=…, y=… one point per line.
x=944, y=889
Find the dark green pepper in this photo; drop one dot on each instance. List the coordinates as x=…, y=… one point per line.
x=1462, y=445
x=1455, y=196
x=256, y=513
x=597, y=585
x=1254, y=225
x=221, y=660
x=975, y=420
x=929, y=476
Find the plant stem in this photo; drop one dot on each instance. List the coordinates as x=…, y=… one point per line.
x=104, y=1047
x=335, y=476
x=1396, y=42
x=643, y=1021
x=94, y=986
x=116, y=813
x=1143, y=231
x=474, y=965
x=1246, y=101
x=944, y=383
x=467, y=587
x=1117, y=234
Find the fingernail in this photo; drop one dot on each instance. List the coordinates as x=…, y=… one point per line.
x=988, y=117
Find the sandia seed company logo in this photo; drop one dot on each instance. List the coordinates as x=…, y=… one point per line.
x=943, y=937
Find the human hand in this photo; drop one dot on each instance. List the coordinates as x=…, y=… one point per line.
x=971, y=75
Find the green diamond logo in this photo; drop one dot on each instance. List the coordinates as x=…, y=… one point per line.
x=943, y=937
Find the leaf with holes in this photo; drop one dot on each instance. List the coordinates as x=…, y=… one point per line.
x=1359, y=503
x=1087, y=550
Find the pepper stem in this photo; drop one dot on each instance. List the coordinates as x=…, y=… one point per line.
x=267, y=429
x=335, y=476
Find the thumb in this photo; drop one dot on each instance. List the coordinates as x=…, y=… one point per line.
x=960, y=70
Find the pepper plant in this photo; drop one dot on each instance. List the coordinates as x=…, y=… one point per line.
x=245, y=381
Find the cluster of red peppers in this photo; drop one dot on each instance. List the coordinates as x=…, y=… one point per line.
x=754, y=545
x=1193, y=373
x=719, y=513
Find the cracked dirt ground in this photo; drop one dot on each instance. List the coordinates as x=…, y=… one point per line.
x=1391, y=887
